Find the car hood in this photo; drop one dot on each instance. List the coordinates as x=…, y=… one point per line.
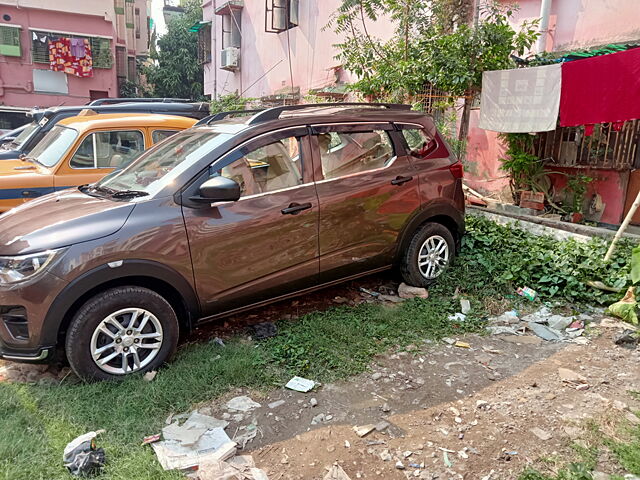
x=58, y=220
x=14, y=167
x=8, y=154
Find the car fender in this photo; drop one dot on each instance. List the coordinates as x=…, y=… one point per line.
x=60, y=309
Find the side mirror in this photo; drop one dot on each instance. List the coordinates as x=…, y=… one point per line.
x=218, y=189
x=7, y=140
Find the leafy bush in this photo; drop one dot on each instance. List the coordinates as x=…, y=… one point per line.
x=509, y=258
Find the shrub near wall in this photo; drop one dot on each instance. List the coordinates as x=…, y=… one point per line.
x=508, y=258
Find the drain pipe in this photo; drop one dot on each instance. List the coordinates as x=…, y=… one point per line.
x=545, y=11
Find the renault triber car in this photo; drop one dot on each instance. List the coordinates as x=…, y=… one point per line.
x=223, y=217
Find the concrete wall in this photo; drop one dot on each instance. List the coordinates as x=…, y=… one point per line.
x=102, y=8
x=265, y=56
x=16, y=74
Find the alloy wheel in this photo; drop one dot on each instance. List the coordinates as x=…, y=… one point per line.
x=126, y=341
x=433, y=257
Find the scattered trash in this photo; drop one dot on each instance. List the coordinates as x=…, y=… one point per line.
x=369, y=292
x=465, y=306
x=544, y=332
x=462, y=344
x=407, y=291
x=626, y=308
x=151, y=439
x=81, y=457
x=250, y=434
x=264, y=330
x=447, y=462
x=237, y=468
x=300, y=384
x=399, y=465
x=482, y=404
x=541, y=434
x=218, y=341
x=201, y=439
x=501, y=330
x=382, y=425
x=508, y=318
x=364, y=430
x=318, y=419
x=340, y=300
x=448, y=340
x=558, y=322
x=149, y=376
x=276, y=404
x=391, y=298
x=336, y=473
x=242, y=404
x=313, y=402
x=457, y=317
x=347, y=444
x=528, y=293
x=627, y=338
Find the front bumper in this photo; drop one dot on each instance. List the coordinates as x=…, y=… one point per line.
x=34, y=340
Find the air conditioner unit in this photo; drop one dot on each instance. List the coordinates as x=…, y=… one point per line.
x=230, y=59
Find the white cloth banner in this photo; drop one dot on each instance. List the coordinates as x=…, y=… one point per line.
x=521, y=100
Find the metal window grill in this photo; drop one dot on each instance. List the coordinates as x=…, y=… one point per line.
x=121, y=62
x=433, y=101
x=10, y=41
x=605, y=148
x=100, y=48
x=204, y=44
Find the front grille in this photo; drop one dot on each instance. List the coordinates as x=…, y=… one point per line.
x=15, y=318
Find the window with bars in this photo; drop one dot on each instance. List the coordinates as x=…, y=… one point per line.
x=131, y=69
x=281, y=15
x=10, y=41
x=121, y=62
x=137, y=23
x=100, y=48
x=204, y=44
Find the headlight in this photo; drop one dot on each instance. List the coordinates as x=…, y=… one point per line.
x=20, y=268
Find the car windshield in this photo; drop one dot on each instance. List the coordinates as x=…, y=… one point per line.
x=165, y=162
x=24, y=136
x=54, y=145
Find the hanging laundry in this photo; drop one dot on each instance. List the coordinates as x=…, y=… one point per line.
x=77, y=47
x=601, y=89
x=521, y=100
x=62, y=59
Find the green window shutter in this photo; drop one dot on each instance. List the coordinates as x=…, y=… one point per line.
x=10, y=41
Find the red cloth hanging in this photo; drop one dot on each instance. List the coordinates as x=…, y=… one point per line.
x=61, y=58
x=601, y=89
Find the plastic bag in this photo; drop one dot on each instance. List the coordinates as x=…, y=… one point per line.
x=626, y=308
x=81, y=456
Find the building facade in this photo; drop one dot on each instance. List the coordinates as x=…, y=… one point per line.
x=275, y=50
x=117, y=31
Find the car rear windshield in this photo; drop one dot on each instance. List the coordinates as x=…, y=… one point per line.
x=54, y=145
x=160, y=165
x=22, y=139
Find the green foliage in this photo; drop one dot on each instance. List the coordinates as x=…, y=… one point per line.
x=635, y=265
x=230, y=102
x=446, y=125
x=555, y=269
x=177, y=72
x=577, y=184
x=433, y=43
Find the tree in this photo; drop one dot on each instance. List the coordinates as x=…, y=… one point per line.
x=435, y=42
x=177, y=72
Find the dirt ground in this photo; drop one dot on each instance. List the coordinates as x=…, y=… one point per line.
x=441, y=411
x=446, y=412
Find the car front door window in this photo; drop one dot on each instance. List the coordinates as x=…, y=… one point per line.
x=269, y=168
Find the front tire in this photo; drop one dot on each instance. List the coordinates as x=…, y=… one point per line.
x=431, y=251
x=121, y=331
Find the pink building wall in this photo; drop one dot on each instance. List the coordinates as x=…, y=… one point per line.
x=264, y=56
x=573, y=24
x=16, y=74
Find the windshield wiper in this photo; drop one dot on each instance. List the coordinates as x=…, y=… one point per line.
x=32, y=160
x=129, y=193
x=89, y=188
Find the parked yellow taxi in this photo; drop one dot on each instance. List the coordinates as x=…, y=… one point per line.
x=80, y=150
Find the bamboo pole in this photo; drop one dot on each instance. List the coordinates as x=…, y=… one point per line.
x=623, y=227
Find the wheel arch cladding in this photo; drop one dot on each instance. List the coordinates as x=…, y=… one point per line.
x=156, y=277
x=445, y=215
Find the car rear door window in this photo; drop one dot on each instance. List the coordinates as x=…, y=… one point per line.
x=268, y=168
x=346, y=153
x=108, y=149
x=420, y=144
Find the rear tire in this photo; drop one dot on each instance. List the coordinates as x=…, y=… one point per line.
x=431, y=251
x=121, y=331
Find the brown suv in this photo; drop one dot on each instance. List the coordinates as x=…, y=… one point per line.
x=223, y=217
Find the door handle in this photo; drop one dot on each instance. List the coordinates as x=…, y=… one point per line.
x=400, y=180
x=295, y=208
